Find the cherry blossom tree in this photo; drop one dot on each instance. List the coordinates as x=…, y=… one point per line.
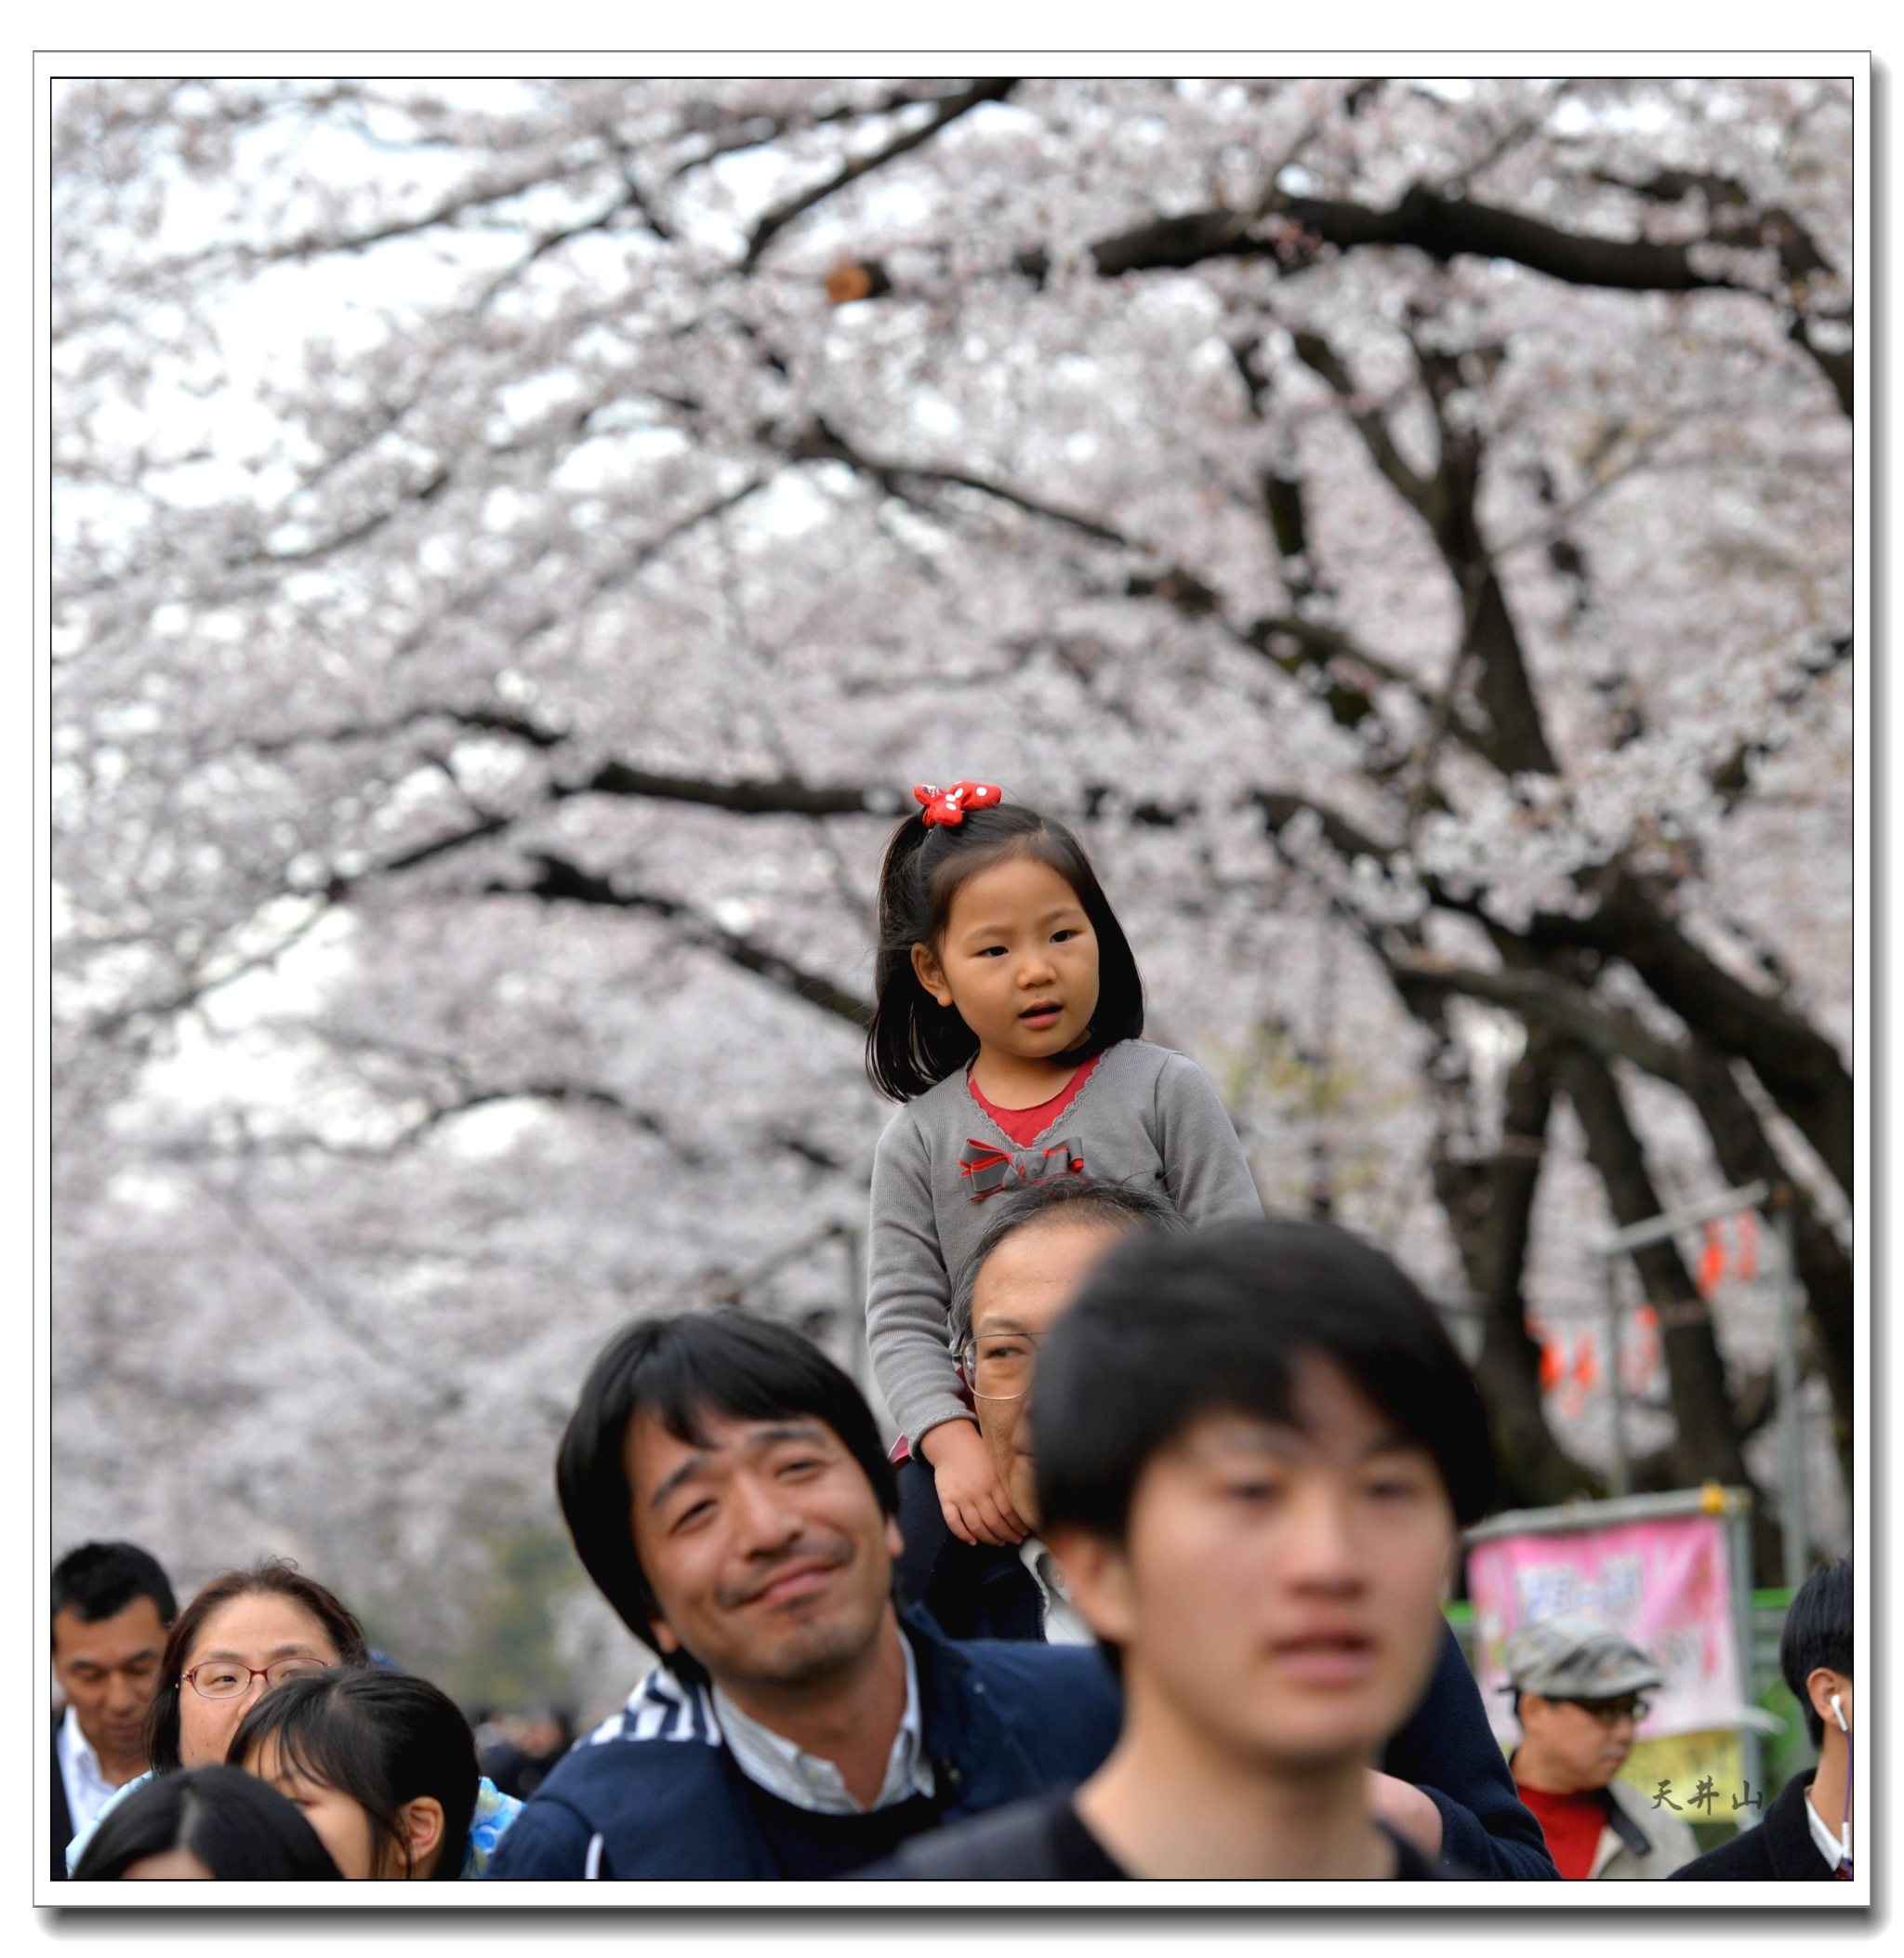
x=519, y=543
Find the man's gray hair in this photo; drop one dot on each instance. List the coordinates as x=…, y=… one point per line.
x=1068, y=1200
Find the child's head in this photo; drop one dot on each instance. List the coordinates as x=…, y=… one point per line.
x=383, y=1765
x=981, y=920
x=200, y=1823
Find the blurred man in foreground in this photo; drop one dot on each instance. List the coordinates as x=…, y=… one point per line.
x=111, y=1609
x=1255, y=1447
x=1576, y=1694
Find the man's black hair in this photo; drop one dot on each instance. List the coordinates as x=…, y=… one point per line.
x=241, y=1830
x=913, y=1042
x=384, y=1739
x=1059, y=1200
x=100, y=1580
x=1167, y=1331
x=1818, y=1632
x=680, y=1371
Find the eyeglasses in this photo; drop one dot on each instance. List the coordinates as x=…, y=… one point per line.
x=1609, y=1712
x=999, y=1366
x=225, y=1679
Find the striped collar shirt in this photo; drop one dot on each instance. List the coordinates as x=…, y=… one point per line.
x=783, y=1768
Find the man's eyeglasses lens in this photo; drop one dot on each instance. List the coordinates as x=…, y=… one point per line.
x=1000, y=1368
x=220, y=1680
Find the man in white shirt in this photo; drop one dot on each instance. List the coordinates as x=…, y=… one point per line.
x=1806, y=1834
x=111, y=1609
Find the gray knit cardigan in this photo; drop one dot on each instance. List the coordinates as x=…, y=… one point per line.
x=1146, y=1116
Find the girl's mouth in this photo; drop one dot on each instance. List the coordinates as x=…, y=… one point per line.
x=1040, y=1015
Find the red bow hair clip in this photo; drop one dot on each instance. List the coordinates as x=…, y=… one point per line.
x=948, y=805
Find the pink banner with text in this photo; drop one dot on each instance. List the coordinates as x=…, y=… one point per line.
x=1667, y=1584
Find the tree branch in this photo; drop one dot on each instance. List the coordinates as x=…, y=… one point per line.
x=1489, y=1209
x=1707, y=1447
x=1320, y=358
x=821, y=443
x=1545, y=999
x=562, y=881
x=1443, y=227
x=950, y=109
x=786, y=795
x=1801, y=1069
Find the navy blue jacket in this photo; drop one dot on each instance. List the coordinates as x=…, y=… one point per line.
x=1779, y=1850
x=1446, y=1749
x=653, y=1791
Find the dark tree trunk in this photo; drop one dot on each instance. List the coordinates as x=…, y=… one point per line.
x=1707, y=1446
x=1746, y=1155
x=1489, y=1207
x=1801, y=1069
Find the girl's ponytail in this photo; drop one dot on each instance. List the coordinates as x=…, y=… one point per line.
x=913, y=1042
x=908, y=1025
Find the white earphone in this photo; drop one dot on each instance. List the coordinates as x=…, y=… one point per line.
x=1845, y=1827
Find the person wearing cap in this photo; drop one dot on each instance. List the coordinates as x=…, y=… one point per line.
x=1576, y=1694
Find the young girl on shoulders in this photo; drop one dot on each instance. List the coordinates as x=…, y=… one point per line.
x=1006, y=1018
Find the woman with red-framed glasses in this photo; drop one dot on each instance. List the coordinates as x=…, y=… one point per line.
x=244, y=1633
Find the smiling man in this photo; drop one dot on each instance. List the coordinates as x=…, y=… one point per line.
x=726, y=1488
x=1253, y=1448
x=111, y=1609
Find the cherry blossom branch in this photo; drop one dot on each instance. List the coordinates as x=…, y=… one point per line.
x=561, y=881
x=1447, y=227
x=772, y=222
x=1627, y=919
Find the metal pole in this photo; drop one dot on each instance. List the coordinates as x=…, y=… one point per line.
x=1739, y=1542
x=1618, y=1481
x=1793, y=1519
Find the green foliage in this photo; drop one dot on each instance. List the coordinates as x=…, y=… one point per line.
x=509, y=1659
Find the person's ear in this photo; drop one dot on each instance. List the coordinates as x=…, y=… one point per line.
x=895, y=1544
x=422, y=1821
x=1098, y=1574
x=661, y=1636
x=1819, y=1685
x=931, y=975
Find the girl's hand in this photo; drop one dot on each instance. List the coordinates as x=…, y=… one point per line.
x=977, y=1509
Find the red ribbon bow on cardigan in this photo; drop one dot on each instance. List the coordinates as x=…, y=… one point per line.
x=948, y=805
x=985, y=1168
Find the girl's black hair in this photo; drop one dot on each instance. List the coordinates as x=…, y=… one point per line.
x=238, y=1827
x=913, y=1042
x=680, y=1371
x=383, y=1738
x=271, y=1577
x=1167, y=1329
